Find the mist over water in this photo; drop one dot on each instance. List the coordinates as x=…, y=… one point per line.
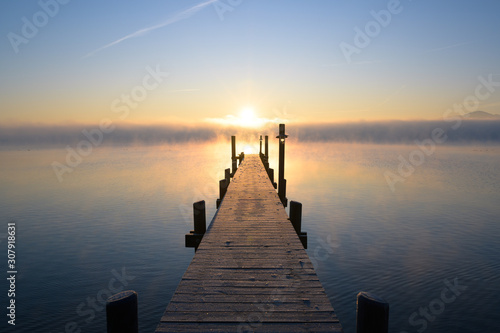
x=126, y=209
x=455, y=130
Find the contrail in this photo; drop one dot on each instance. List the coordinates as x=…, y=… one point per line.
x=178, y=17
x=447, y=47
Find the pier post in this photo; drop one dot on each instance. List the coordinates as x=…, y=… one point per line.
x=281, y=172
x=372, y=314
x=227, y=174
x=260, y=152
x=296, y=215
x=200, y=218
x=233, y=155
x=266, y=148
x=194, y=237
x=270, y=173
x=121, y=313
x=296, y=219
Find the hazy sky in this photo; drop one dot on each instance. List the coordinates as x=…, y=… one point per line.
x=83, y=61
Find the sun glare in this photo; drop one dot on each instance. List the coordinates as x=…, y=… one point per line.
x=248, y=118
x=247, y=114
x=248, y=150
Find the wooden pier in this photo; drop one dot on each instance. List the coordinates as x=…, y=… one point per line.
x=250, y=272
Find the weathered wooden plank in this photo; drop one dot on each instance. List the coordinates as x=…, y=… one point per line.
x=282, y=290
x=252, y=325
x=275, y=296
x=255, y=306
x=235, y=316
x=250, y=272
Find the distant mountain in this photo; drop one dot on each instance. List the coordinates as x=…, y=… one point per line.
x=482, y=115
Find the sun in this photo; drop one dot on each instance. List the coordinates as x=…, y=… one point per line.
x=248, y=118
x=248, y=150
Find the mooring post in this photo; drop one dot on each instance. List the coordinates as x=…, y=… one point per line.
x=296, y=219
x=372, y=314
x=266, y=148
x=233, y=155
x=296, y=215
x=222, y=188
x=194, y=237
x=121, y=313
x=270, y=173
x=200, y=218
x=281, y=173
x=227, y=174
x=260, y=152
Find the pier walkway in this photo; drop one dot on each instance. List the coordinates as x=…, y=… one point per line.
x=250, y=272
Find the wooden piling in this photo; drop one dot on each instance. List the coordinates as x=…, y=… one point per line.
x=199, y=216
x=260, y=151
x=223, y=184
x=281, y=171
x=296, y=215
x=266, y=151
x=372, y=314
x=233, y=155
x=296, y=219
x=270, y=173
x=194, y=237
x=121, y=313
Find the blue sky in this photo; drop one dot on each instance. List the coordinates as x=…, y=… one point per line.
x=281, y=58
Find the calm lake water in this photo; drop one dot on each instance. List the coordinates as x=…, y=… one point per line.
x=431, y=248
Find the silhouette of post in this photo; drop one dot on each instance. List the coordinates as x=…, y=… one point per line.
x=194, y=237
x=199, y=216
x=281, y=172
x=296, y=215
x=266, y=151
x=260, y=153
x=372, y=314
x=233, y=155
x=296, y=219
x=121, y=313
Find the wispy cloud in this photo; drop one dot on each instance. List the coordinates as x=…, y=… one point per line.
x=173, y=19
x=359, y=63
x=447, y=47
x=182, y=90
